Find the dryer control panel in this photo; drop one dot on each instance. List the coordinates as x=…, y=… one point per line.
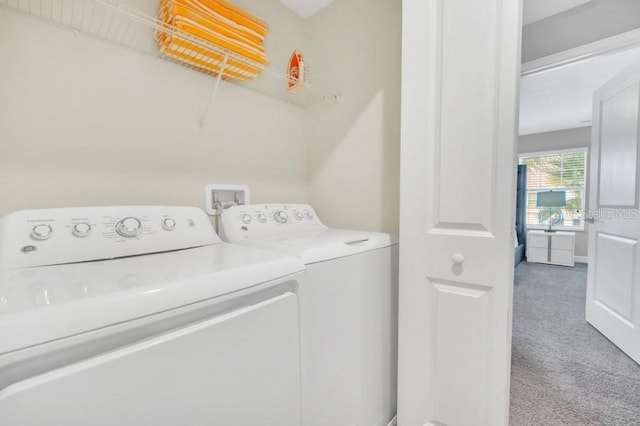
x=254, y=220
x=70, y=235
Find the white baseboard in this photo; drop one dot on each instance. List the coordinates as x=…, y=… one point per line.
x=581, y=259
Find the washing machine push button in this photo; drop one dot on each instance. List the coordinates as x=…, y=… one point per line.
x=41, y=232
x=168, y=224
x=81, y=230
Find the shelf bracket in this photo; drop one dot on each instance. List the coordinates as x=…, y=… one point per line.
x=214, y=92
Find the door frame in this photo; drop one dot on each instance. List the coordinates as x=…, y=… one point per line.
x=619, y=42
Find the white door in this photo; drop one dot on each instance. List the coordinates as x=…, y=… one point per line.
x=613, y=286
x=460, y=78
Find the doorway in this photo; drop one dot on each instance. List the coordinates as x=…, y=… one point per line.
x=563, y=370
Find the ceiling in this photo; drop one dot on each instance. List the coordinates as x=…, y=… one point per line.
x=560, y=98
x=305, y=8
x=536, y=10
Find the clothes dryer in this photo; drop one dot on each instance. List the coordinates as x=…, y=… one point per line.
x=142, y=316
x=348, y=308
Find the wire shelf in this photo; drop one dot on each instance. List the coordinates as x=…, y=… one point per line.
x=117, y=23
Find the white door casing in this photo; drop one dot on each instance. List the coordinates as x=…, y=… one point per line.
x=613, y=285
x=460, y=80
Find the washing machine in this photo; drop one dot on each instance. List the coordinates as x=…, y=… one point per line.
x=348, y=308
x=135, y=316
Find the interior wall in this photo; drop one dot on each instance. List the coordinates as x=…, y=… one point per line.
x=88, y=123
x=354, y=143
x=584, y=24
x=558, y=140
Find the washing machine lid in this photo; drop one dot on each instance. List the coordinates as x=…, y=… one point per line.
x=43, y=304
x=296, y=229
x=68, y=271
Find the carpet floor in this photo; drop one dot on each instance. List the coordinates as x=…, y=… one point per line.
x=563, y=371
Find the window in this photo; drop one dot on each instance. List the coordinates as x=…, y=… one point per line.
x=558, y=171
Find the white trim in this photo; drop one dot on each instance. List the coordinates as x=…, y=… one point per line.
x=393, y=422
x=607, y=45
x=581, y=259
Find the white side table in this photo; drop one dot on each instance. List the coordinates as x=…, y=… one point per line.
x=555, y=248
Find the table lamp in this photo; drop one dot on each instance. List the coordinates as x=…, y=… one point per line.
x=551, y=199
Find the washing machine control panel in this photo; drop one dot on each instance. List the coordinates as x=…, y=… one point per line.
x=56, y=236
x=267, y=219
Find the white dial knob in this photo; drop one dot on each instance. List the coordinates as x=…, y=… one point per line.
x=41, y=232
x=168, y=224
x=299, y=216
x=246, y=218
x=129, y=227
x=81, y=229
x=281, y=216
x=262, y=218
x=309, y=215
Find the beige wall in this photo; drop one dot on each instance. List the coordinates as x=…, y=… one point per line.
x=562, y=139
x=88, y=123
x=584, y=24
x=354, y=144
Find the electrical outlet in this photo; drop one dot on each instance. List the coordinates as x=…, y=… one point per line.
x=221, y=196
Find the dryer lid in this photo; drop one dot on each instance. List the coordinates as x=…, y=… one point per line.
x=296, y=229
x=324, y=244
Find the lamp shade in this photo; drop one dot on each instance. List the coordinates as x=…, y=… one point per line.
x=551, y=199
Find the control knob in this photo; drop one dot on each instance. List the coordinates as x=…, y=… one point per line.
x=262, y=218
x=281, y=216
x=309, y=215
x=81, y=229
x=299, y=216
x=129, y=227
x=41, y=232
x=168, y=224
x=246, y=218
